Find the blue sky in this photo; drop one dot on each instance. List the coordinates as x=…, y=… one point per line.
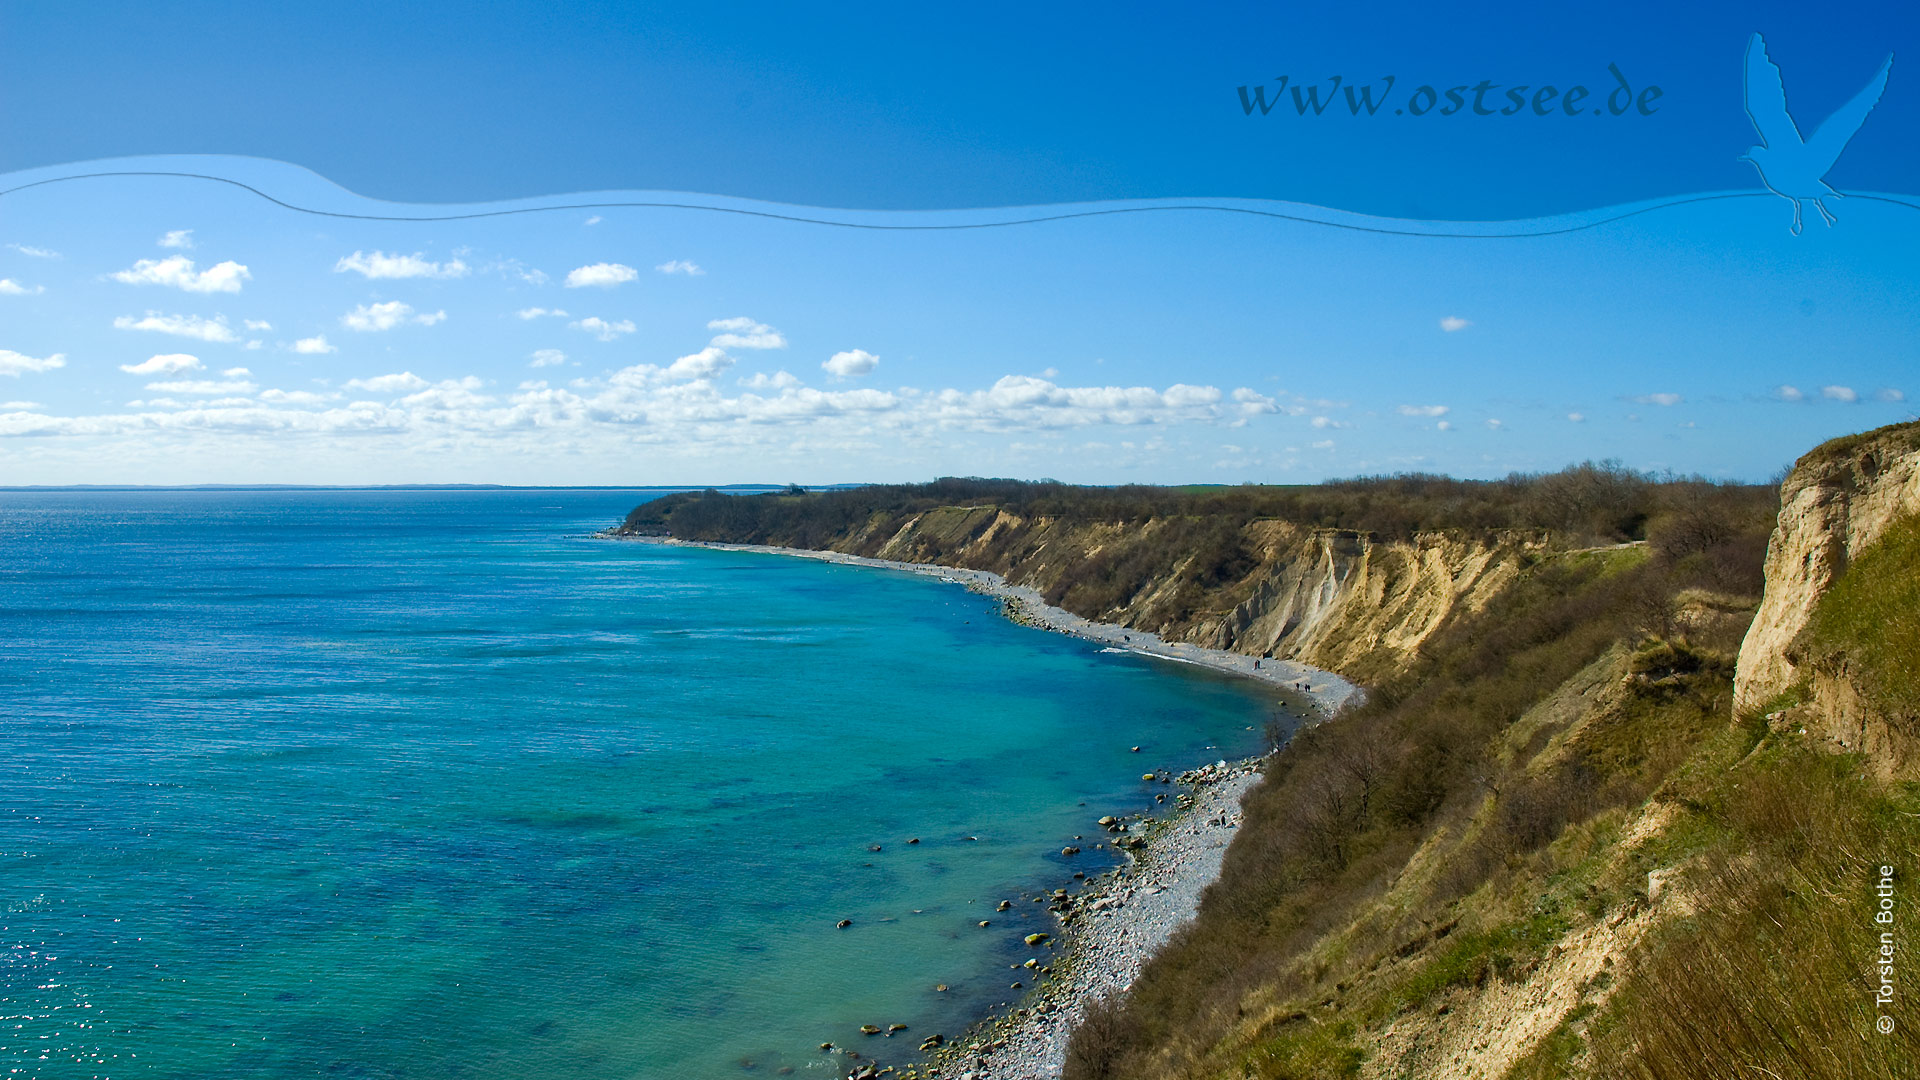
x=164, y=330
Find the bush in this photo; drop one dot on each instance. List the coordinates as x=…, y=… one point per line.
x=1096, y=1041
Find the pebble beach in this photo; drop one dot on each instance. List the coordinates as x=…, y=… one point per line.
x=1110, y=929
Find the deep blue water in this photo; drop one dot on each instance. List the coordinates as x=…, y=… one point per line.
x=430, y=784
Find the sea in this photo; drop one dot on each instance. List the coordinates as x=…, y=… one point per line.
x=438, y=784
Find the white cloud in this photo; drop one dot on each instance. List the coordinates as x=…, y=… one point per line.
x=237, y=373
x=1024, y=401
x=35, y=252
x=20, y=406
x=178, y=238
x=401, y=382
x=744, y=333
x=680, y=266
x=15, y=364
x=1424, y=410
x=295, y=397
x=779, y=380
x=1889, y=394
x=537, y=312
x=1452, y=323
x=192, y=326
x=1657, y=399
x=377, y=317
x=256, y=324
x=850, y=364
x=1444, y=425
x=1181, y=395
x=1839, y=393
x=595, y=220
x=704, y=364
x=680, y=406
x=602, y=329
x=203, y=387
x=1496, y=425
x=386, y=316
x=163, y=364
x=380, y=266
x=601, y=275
x=1323, y=444
x=1578, y=418
x=1790, y=393
x=547, y=358
x=10, y=287
x=456, y=396
x=176, y=271
x=1251, y=401
x=314, y=346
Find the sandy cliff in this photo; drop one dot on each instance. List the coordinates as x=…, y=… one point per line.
x=1837, y=501
x=1333, y=599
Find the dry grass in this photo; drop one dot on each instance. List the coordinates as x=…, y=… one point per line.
x=1773, y=976
x=1344, y=807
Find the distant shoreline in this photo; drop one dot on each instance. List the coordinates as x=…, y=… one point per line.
x=1112, y=926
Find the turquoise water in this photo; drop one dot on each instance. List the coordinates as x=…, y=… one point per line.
x=434, y=784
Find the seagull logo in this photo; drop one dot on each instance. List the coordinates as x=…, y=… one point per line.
x=1790, y=165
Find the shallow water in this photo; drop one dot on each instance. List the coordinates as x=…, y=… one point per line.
x=434, y=784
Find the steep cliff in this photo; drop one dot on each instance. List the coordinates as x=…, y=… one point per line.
x=1352, y=575
x=1336, y=599
x=1839, y=501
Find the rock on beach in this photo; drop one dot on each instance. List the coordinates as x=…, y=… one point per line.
x=1109, y=930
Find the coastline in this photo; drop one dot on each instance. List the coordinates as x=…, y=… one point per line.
x=1318, y=691
x=1110, y=927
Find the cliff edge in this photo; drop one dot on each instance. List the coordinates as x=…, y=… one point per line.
x=1839, y=501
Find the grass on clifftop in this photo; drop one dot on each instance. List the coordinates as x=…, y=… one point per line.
x=1872, y=617
x=1892, y=439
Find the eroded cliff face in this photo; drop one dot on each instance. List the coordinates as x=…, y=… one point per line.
x=1333, y=599
x=1835, y=503
x=1349, y=604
